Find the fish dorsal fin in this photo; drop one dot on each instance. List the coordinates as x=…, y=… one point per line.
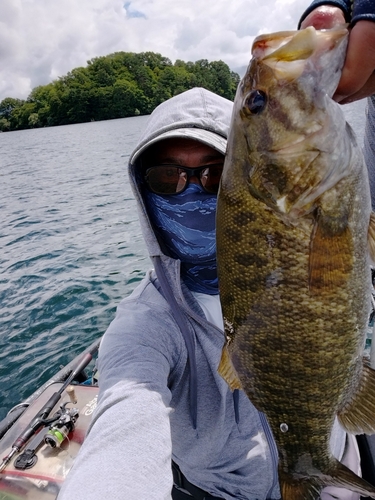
x=371, y=237
x=227, y=370
x=358, y=414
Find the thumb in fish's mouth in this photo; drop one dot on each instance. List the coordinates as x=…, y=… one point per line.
x=291, y=53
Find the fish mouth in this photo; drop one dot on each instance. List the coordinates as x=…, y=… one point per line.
x=287, y=52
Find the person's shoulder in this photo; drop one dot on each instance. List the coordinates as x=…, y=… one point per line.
x=145, y=301
x=145, y=318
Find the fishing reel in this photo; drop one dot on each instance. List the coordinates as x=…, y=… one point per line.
x=59, y=430
x=62, y=422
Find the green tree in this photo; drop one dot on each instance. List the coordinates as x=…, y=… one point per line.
x=4, y=125
x=8, y=105
x=176, y=79
x=101, y=72
x=33, y=120
x=223, y=80
x=127, y=98
x=114, y=86
x=41, y=96
x=19, y=118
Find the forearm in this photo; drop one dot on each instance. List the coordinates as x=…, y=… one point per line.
x=131, y=460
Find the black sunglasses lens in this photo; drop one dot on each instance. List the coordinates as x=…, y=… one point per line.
x=210, y=178
x=166, y=179
x=170, y=179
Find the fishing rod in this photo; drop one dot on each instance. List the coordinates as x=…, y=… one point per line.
x=40, y=419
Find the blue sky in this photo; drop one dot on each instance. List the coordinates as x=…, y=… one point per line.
x=41, y=40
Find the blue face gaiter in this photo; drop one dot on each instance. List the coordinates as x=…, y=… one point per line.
x=186, y=224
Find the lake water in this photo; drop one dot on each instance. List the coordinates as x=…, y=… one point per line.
x=70, y=243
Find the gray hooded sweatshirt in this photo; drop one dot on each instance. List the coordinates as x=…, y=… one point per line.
x=149, y=383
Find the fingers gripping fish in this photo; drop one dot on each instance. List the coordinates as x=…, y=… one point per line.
x=294, y=225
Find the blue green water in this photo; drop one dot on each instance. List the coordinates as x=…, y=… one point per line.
x=70, y=244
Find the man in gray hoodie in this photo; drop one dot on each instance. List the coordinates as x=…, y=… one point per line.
x=161, y=399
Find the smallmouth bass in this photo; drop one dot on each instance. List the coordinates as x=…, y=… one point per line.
x=294, y=237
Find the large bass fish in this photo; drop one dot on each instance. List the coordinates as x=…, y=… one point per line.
x=293, y=221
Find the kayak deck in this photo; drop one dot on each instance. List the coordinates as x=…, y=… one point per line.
x=42, y=481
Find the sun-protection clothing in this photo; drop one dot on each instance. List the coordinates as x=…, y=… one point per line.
x=149, y=382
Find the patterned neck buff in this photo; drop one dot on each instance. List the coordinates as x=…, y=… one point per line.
x=186, y=224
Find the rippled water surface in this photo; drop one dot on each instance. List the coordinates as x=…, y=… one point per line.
x=70, y=243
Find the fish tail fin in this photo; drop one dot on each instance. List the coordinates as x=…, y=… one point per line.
x=309, y=487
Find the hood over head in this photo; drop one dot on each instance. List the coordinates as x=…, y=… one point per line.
x=196, y=114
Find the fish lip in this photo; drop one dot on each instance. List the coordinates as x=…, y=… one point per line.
x=311, y=39
x=290, y=57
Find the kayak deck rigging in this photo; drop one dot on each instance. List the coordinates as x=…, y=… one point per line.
x=40, y=438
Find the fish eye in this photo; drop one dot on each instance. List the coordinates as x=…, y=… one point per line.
x=256, y=101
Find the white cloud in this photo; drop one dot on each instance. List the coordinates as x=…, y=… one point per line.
x=43, y=39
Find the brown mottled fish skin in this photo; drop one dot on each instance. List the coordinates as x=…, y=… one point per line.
x=292, y=227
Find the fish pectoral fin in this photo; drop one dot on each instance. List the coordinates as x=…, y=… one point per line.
x=308, y=487
x=371, y=237
x=357, y=415
x=227, y=370
x=331, y=253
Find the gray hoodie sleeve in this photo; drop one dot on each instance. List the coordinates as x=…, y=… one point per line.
x=130, y=464
x=127, y=452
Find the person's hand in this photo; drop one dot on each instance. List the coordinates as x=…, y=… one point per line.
x=358, y=76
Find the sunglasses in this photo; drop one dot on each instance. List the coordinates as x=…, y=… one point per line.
x=174, y=179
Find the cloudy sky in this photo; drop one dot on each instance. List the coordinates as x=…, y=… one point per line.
x=41, y=40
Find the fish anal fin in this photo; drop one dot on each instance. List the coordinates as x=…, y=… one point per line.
x=301, y=489
x=371, y=237
x=357, y=415
x=305, y=486
x=331, y=254
x=227, y=370
x=342, y=477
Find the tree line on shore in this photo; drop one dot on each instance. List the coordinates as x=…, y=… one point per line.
x=115, y=86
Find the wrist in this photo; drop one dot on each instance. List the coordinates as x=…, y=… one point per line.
x=363, y=10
